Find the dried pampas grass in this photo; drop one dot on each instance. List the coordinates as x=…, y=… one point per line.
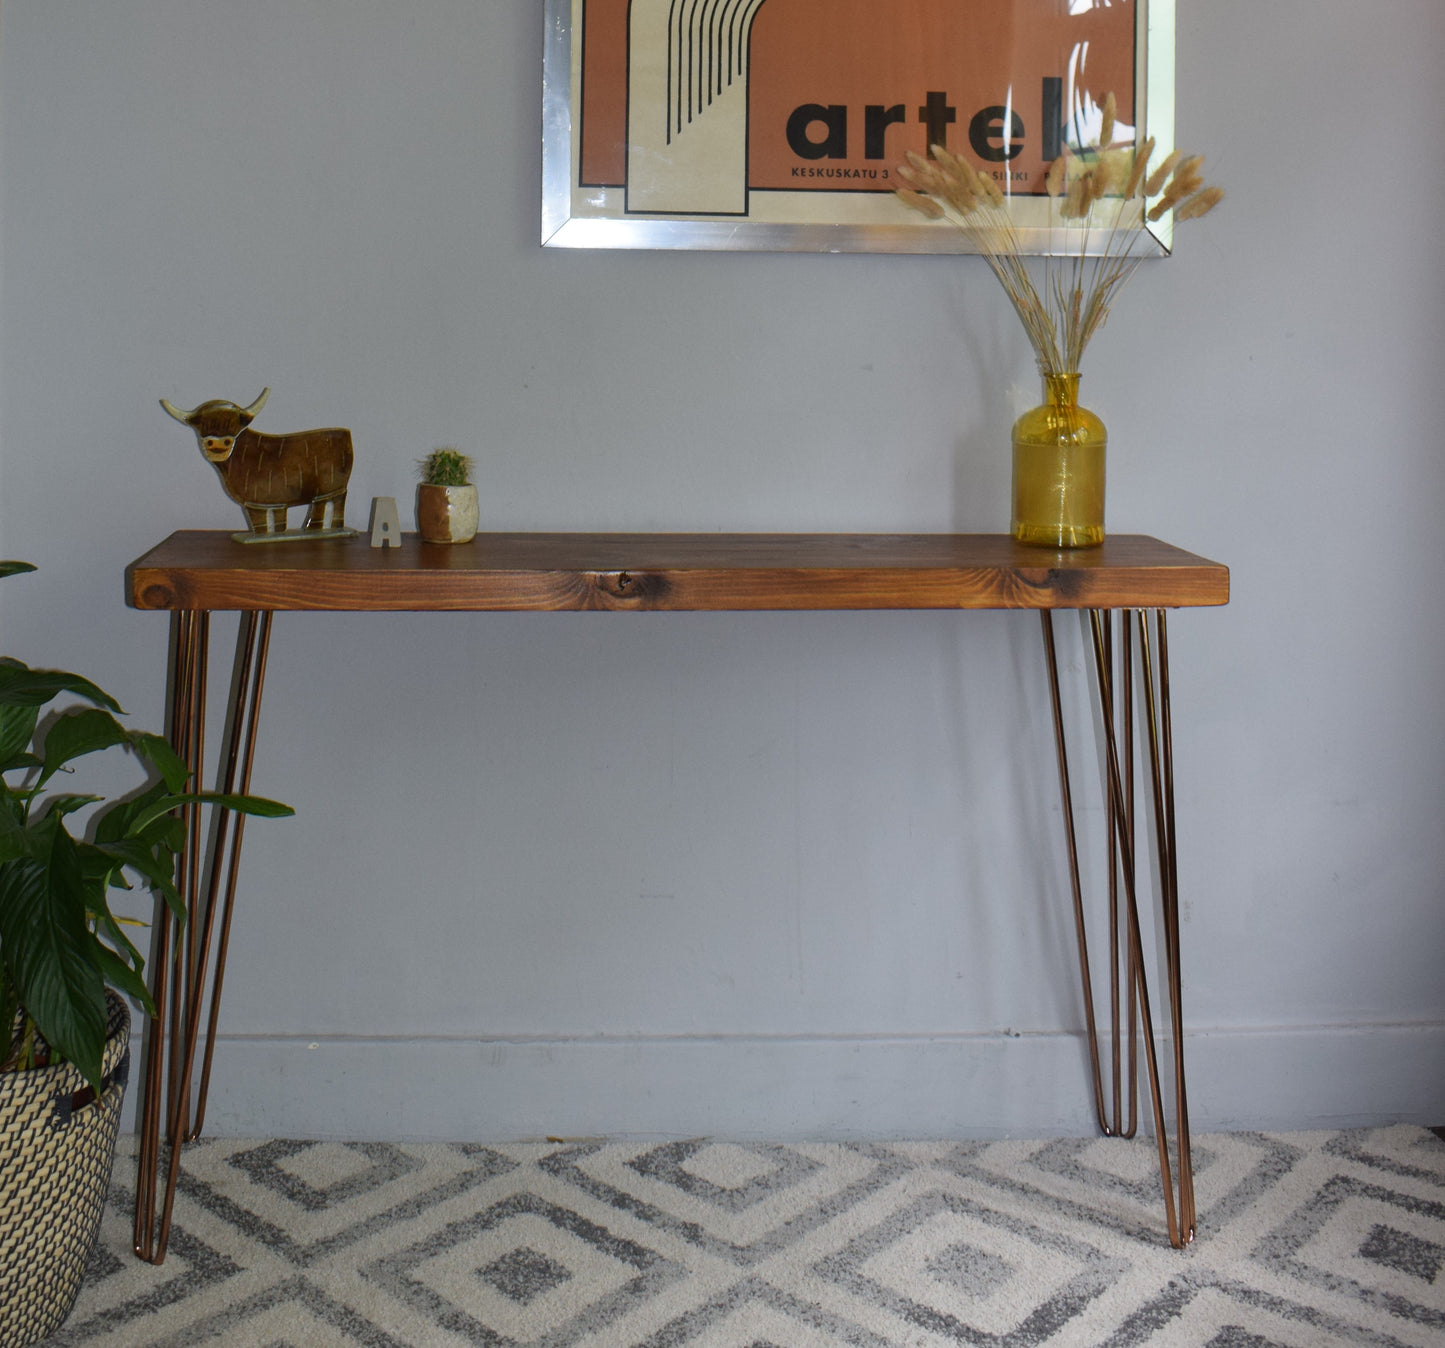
x=1062, y=314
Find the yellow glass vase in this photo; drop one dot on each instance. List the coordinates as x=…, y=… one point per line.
x=1058, y=480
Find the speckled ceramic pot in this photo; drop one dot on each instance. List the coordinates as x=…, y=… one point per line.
x=446, y=514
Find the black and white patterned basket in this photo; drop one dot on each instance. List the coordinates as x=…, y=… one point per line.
x=57, y=1147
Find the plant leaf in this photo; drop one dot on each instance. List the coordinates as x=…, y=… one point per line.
x=118, y=820
x=17, y=728
x=14, y=568
x=73, y=734
x=119, y=961
x=21, y=686
x=15, y=838
x=158, y=870
x=68, y=803
x=49, y=951
x=168, y=831
x=111, y=926
x=157, y=751
x=117, y=972
x=258, y=806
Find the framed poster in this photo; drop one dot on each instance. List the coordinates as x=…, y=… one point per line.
x=779, y=124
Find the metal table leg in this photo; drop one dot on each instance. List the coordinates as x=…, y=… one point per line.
x=188, y=976
x=1115, y=680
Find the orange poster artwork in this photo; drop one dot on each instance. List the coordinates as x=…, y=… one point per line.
x=797, y=112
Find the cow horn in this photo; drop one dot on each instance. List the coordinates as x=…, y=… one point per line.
x=183, y=417
x=258, y=404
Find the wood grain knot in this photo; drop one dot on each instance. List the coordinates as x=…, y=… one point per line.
x=631, y=589
x=157, y=596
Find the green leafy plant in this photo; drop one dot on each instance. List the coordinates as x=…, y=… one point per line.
x=446, y=467
x=60, y=944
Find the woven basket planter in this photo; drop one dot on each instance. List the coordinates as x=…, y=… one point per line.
x=57, y=1147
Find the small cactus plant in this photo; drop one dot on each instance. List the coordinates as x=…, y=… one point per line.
x=446, y=500
x=446, y=467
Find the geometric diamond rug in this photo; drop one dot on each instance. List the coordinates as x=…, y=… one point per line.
x=1305, y=1240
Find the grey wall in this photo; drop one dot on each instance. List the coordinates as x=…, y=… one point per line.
x=788, y=875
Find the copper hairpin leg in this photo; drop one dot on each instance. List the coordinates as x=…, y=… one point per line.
x=184, y=969
x=1114, y=673
x=183, y=960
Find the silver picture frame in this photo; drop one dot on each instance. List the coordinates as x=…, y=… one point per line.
x=577, y=214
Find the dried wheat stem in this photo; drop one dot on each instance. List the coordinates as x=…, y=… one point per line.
x=1076, y=291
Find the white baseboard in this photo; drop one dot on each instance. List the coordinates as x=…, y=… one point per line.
x=985, y=1086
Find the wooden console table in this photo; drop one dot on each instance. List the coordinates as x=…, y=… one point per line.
x=1123, y=584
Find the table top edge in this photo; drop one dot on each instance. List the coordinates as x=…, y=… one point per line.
x=208, y=569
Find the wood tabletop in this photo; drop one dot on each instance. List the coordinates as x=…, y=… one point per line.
x=208, y=569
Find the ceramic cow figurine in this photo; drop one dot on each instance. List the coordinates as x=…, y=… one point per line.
x=265, y=474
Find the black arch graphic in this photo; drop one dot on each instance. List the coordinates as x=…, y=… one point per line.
x=707, y=52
